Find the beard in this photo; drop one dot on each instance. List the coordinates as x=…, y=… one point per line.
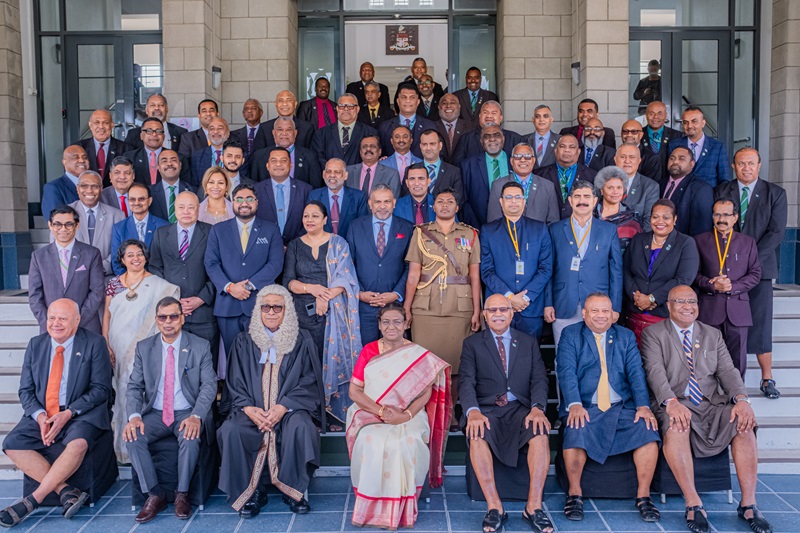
x=592, y=142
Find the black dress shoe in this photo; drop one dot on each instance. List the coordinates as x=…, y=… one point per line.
x=254, y=505
x=301, y=507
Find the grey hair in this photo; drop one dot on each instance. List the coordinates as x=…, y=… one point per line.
x=608, y=173
x=493, y=102
x=260, y=108
x=285, y=338
x=542, y=106
x=351, y=95
x=284, y=119
x=90, y=173
x=381, y=187
x=372, y=84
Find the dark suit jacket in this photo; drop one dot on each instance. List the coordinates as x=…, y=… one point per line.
x=304, y=138
x=404, y=208
x=482, y=378
x=742, y=268
x=56, y=193
x=200, y=161
x=298, y=199
x=694, y=199
x=134, y=136
x=354, y=206
x=377, y=273
x=160, y=207
x=189, y=275
x=357, y=88
x=643, y=193
x=141, y=166
x=438, y=91
x=650, y=165
x=115, y=148
x=307, y=110
x=713, y=165
x=260, y=139
x=765, y=219
x=551, y=173
x=387, y=127
x=602, y=157
x=663, y=153
x=609, y=139
x=466, y=103
x=470, y=145
x=109, y=197
x=125, y=230
x=384, y=113
x=476, y=190
x=306, y=166
x=192, y=142
x=461, y=127
x=549, y=156
x=384, y=174
x=88, y=381
x=327, y=143
x=433, y=111
x=676, y=264
x=449, y=176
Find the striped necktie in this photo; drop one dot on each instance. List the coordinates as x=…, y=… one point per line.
x=695, y=394
x=743, y=204
x=184, y=244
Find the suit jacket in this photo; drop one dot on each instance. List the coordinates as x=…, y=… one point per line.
x=88, y=382
x=438, y=91
x=261, y=262
x=650, y=165
x=126, y=229
x=404, y=208
x=190, y=275
x=466, y=103
x=645, y=147
x=200, y=162
x=433, y=111
x=58, y=192
x=742, y=268
x=541, y=205
x=85, y=283
x=354, y=205
x=327, y=143
x=765, y=219
x=109, y=197
x=668, y=371
x=482, y=378
x=387, y=127
x=476, y=190
x=391, y=162
x=461, y=127
x=676, y=264
x=306, y=166
x=600, y=268
x=449, y=176
x=377, y=273
x=305, y=132
x=134, y=136
x=602, y=157
x=192, y=141
x=694, y=200
x=267, y=210
x=356, y=88
x=260, y=139
x=578, y=367
x=713, y=165
x=549, y=156
x=643, y=193
x=160, y=205
x=498, y=261
x=551, y=173
x=115, y=148
x=470, y=145
x=141, y=166
x=105, y=218
x=609, y=139
x=384, y=113
x=383, y=174
x=307, y=110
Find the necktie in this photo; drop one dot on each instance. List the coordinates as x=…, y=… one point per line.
x=563, y=180
x=280, y=205
x=427, y=106
x=603, y=388
x=91, y=224
x=218, y=158
x=380, y=242
x=345, y=136
x=402, y=166
x=693, y=147
x=365, y=185
x=418, y=219
x=171, y=208
x=326, y=114
x=153, y=168
x=335, y=214
x=245, y=236
x=373, y=113
x=473, y=101
x=54, y=382
x=64, y=262
x=501, y=349
x=140, y=230
x=123, y=205
x=450, y=133
x=432, y=176
x=251, y=136
x=695, y=394
x=588, y=158
x=495, y=172
x=540, y=146
x=168, y=412
x=743, y=204
x=101, y=160
x=408, y=123
x=669, y=190
x=655, y=140
x=185, y=244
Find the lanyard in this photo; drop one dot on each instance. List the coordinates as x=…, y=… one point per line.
x=526, y=187
x=572, y=226
x=722, y=257
x=514, y=237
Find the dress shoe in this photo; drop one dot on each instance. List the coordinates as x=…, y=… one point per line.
x=254, y=505
x=301, y=507
x=183, y=507
x=152, y=506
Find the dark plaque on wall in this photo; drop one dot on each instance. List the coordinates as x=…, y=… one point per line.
x=402, y=39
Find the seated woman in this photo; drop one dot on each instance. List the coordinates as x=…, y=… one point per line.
x=611, y=184
x=319, y=271
x=216, y=207
x=397, y=425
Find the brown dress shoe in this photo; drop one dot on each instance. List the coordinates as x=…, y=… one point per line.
x=183, y=507
x=152, y=506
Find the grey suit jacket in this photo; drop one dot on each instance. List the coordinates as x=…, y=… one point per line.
x=542, y=204
x=198, y=379
x=105, y=218
x=549, y=156
x=109, y=198
x=383, y=174
x=643, y=193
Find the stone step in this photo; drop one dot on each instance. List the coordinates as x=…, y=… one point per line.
x=783, y=374
x=23, y=281
x=18, y=330
x=12, y=354
x=786, y=349
x=10, y=408
x=9, y=378
x=785, y=327
x=16, y=312
x=786, y=406
x=777, y=438
x=782, y=305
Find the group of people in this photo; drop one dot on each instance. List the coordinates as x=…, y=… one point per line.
x=286, y=260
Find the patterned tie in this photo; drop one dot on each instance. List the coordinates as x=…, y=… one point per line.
x=153, y=169
x=91, y=224
x=563, y=180
x=64, y=262
x=670, y=189
x=693, y=147
x=168, y=413
x=140, y=230
x=588, y=158
x=450, y=133
x=695, y=394
x=326, y=114
x=218, y=158
x=345, y=136
x=501, y=349
x=743, y=204
x=54, y=382
x=408, y=123
x=184, y=247
x=171, y=210
x=432, y=175
x=365, y=185
x=603, y=388
x=251, y=136
x=418, y=219
x=540, y=146
x=244, y=238
x=473, y=101
x=123, y=205
x=280, y=204
x=380, y=242
x=655, y=140
x=427, y=106
x=335, y=213
x=101, y=160
x=495, y=172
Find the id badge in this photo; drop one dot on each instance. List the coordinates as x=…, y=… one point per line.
x=520, y=268
x=576, y=263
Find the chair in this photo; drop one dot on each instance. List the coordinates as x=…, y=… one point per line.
x=710, y=474
x=512, y=483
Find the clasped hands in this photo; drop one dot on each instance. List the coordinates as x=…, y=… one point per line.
x=49, y=428
x=265, y=420
x=393, y=415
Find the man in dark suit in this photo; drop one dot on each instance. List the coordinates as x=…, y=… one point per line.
x=157, y=107
x=657, y=136
x=251, y=136
x=160, y=402
x=359, y=88
x=66, y=268
x=177, y=255
x=244, y=255
x=442, y=174
x=281, y=199
x=538, y=194
x=211, y=155
x=140, y=225
x=365, y=175
x=171, y=184
x=566, y=171
x=344, y=204
x=729, y=268
x=472, y=96
x=64, y=190
x=145, y=159
x=319, y=110
x=342, y=138
x=594, y=153
x=502, y=387
x=470, y=144
x=101, y=147
x=305, y=162
x=417, y=205
x=407, y=100
x=64, y=389
x=450, y=126
x=121, y=177
x=196, y=140
x=286, y=105
x=692, y=197
x=381, y=277
x=588, y=109
x=710, y=155
x=419, y=67
x=374, y=111
x=480, y=172
x=543, y=139
x=428, y=103
x=642, y=192
x=632, y=134
x=762, y=215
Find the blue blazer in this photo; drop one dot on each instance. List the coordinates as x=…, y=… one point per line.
x=200, y=161
x=475, y=176
x=354, y=205
x=126, y=229
x=578, y=367
x=267, y=209
x=600, y=269
x=376, y=273
x=58, y=192
x=387, y=126
x=404, y=209
x=498, y=261
x=261, y=262
x=391, y=162
x=713, y=165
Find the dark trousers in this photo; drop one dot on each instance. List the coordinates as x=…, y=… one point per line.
x=208, y=331
x=759, y=339
x=530, y=325
x=230, y=326
x=736, y=340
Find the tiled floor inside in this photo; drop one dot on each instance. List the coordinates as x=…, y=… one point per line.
x=450, y=509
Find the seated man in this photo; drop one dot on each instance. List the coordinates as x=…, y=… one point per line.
x=604, y=403
x=66, y=405
x=271, y=428
x=701, y=404
x=505, y=411
x=171, y=404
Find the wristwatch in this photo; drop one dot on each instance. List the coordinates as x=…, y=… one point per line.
x=651, y=298
x=742, y=399
x=540, y=406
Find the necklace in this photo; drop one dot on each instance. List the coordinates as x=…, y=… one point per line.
x=131, y=296
x=659, y=244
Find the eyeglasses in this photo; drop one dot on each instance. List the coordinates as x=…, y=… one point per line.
x=396, y=323
x=68, y=225
x=513, y=197
x=682, y=301
x=631, y=132
x=266, y=308
x=722, y=215
x=168, y=318
x=249, y=200
x=151, y=131
x=493, y=310
x=426, y=83
x=347, y=107
x=491, y=135
x=526, y=157
x=89, y=186
x=596, y=130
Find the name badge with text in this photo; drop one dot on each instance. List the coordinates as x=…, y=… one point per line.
x=576, y=263
x=520, y=268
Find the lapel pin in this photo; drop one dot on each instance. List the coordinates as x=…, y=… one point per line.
x=184, y=350
x=77, y=354
x=610, y=341
x=669, y=246
x=633, y=191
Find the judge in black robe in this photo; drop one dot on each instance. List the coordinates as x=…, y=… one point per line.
x=275, y=384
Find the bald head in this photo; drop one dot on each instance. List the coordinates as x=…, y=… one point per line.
x=285, y=103
x=75, y=160
x=187, y=208
x=63, y=318
x=101, y=124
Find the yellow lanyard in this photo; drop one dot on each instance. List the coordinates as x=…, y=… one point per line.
x=720, y=255
x=514, y=237
x=572, y=226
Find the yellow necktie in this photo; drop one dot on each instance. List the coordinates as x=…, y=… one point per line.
x=245, y=237
x=603, y=393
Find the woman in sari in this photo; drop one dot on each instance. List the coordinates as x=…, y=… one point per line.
x=215, y=207
x=319, y=271
x=397, y=425
x=130, y=316
x=611, y=184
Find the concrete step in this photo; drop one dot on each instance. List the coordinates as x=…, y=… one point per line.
x=786, y=349
x=18, y=330
x=783, y=374
x=40, y=235
x=785, y=327
x=778, y=438
x=23, y=281
x=12, y=354
x=10, y=409
x=16, y=312
x=786, y=406
x=9, y=378
x=782, y=305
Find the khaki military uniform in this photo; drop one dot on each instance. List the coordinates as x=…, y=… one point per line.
x=442, y=306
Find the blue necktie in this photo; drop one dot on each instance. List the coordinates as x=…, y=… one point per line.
x=92, y=222
x=432, y=175
x=589, y=152
x=279, y=203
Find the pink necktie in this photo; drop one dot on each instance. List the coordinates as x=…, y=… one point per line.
x=153, y=168
x=64, y=266
x=335, y=214
x=402, y=166
x=168, y=413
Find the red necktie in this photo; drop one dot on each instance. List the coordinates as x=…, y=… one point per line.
x=153, y=168
x=54, y=383
x=168, y=412
x=124, y=205
x=418, y=219
x=101, y=160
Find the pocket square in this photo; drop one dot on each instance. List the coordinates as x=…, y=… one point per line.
x=80, y=268
x=399, y=236
x=262, y=240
